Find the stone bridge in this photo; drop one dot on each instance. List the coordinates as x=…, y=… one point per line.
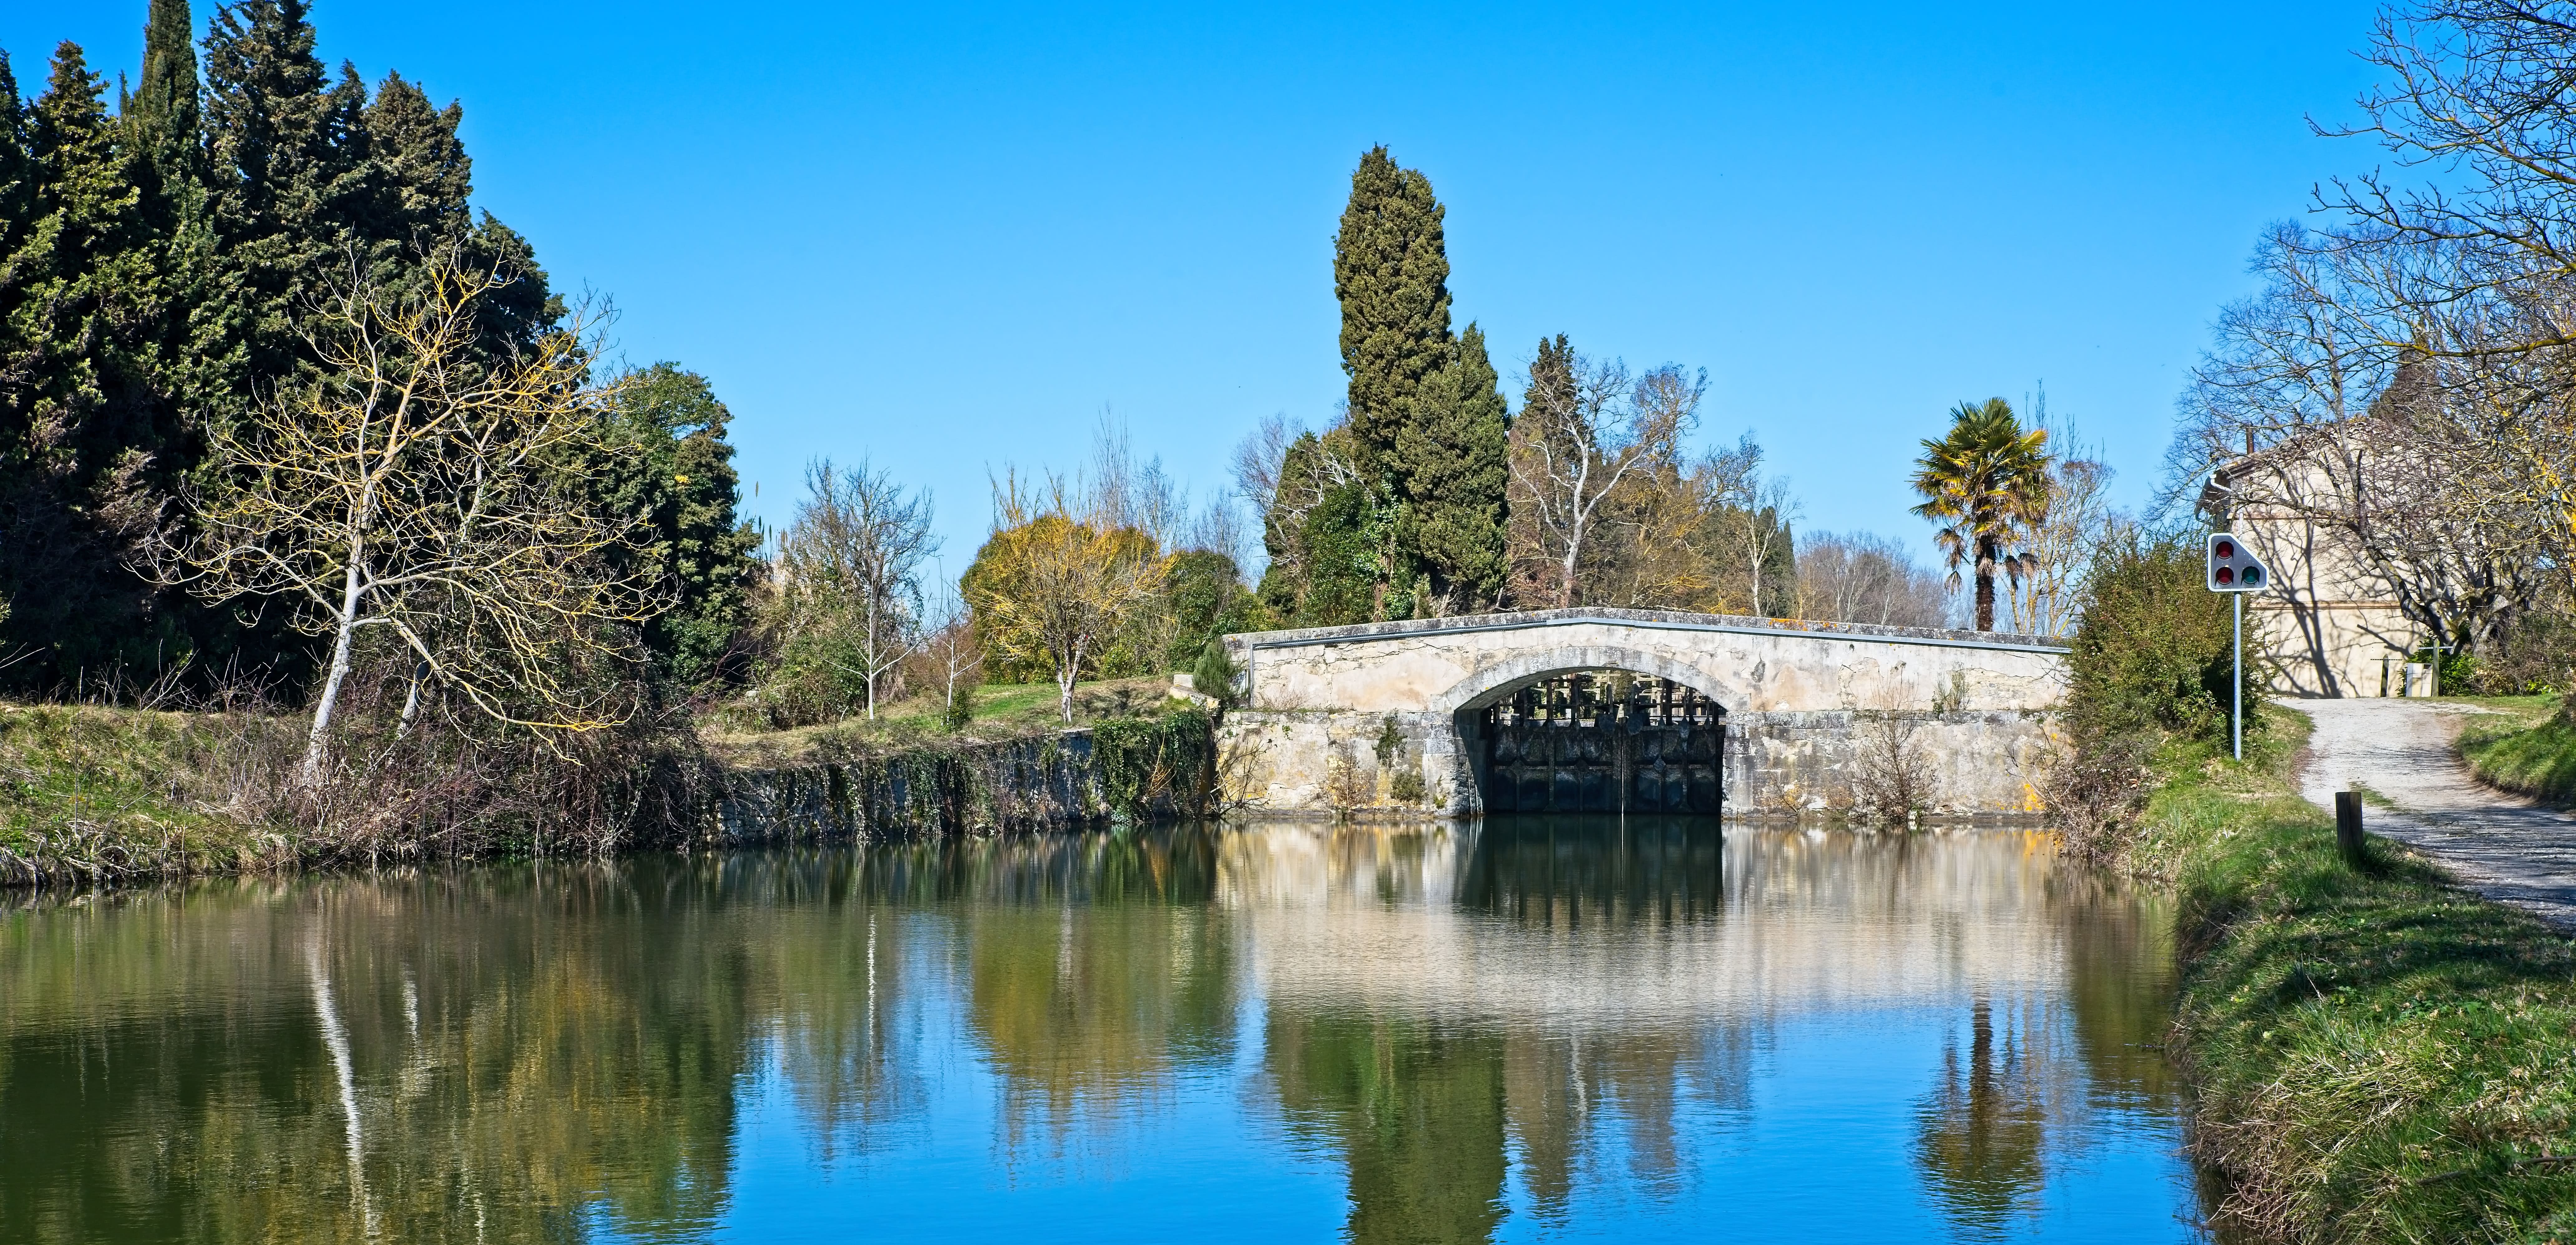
x=1636, y=710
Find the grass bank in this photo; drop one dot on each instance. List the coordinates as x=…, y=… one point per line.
x=2528, y=747
x=1002, y=711
x=98, y=795
x=91, y=794
x=2378, y=1056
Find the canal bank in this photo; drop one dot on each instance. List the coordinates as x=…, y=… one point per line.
x=104, y=796
x=2376, y=1054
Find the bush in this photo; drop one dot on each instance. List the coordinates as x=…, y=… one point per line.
x=1145, y=762
x=2153, y=650
x=1215, y=672
x=2536, y=656
x=2150, y=662
x=961, y=708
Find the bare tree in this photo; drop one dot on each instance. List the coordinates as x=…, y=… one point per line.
x=853, y=556
x=422, y=488
x=2043, y=579
x=2375, y=403
x=1752, y=527
x=1571, y=452
x=1866, y=578
x=951, y=643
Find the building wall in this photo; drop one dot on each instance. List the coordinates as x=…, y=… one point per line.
x=2329, y=626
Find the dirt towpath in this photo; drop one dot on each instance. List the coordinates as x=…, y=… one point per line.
x=2503, y=847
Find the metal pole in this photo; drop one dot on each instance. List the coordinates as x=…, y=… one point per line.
x=2238, y=730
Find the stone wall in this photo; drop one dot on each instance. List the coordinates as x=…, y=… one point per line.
x=1031, y=783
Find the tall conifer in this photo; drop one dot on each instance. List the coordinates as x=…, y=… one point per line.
x=1450, y=465
x=164, y=108
x=80, y=416
x=1391, y=273
x=282, y=181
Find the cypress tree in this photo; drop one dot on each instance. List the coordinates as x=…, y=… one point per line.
x=81, y=419
x=1391, y=273
x=1451, y=465
x=17, y=177
x=669, y=463
x=164, y=108
x=1551, y=376
x=282, y=172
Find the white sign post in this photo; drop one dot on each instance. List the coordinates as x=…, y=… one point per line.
x=2234, y=570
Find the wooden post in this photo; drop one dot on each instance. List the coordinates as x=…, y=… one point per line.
x=2348, y=827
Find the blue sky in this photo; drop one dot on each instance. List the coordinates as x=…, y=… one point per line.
x=946, y=237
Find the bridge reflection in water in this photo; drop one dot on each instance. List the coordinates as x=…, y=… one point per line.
x=1522, y=1027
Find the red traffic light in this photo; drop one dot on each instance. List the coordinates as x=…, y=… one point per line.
x=2224, y=549
x=2227, y=574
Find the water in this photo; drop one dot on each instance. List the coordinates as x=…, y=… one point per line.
x=1536, y=1030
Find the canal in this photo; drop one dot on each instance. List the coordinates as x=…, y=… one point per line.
x=1530, y=1029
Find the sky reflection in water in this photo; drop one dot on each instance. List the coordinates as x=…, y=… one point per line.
x=1533, y=1030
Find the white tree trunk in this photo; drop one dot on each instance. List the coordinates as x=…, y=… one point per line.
x=330, y=698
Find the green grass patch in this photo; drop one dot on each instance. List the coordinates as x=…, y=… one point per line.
x=2379, y=1056
x=1002, y=710
x=101, y=794
x=2527, y=747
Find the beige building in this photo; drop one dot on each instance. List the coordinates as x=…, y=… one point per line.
x=2329, y=626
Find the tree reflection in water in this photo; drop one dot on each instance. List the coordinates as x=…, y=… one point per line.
x=1548, y=1021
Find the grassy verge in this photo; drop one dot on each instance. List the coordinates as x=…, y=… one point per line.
x=2527, y=747
x=1002, y=710
x=96, y=794
x=2379, y=1057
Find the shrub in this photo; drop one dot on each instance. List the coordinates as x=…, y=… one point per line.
x=1141, y=762
x=1215, y=672
x=2536, y=656
x=2150, y=661
x=2152, y=652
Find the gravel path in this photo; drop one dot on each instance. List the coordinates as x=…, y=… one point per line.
x=2500, y=846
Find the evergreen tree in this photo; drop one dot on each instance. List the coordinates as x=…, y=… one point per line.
x=164, y=108
x=1551, y=375
x=669, y=463
x=81, y=420
x=1391, y=273
x=1451, y=463
x=1342, y=570
x=17, y=179
x=285, y=174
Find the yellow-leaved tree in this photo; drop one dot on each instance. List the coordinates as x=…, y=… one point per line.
x=1056, y=582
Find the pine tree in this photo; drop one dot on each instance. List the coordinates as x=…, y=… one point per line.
x=1451, y=464
x=1391, y=273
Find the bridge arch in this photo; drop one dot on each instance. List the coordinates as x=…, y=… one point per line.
x=1492, y=684
x=1602, y=729
x=1315, y=705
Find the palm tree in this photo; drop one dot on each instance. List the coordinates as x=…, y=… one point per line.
x=1984, y=483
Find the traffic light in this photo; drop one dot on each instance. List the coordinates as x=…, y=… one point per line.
x=2233, y=567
